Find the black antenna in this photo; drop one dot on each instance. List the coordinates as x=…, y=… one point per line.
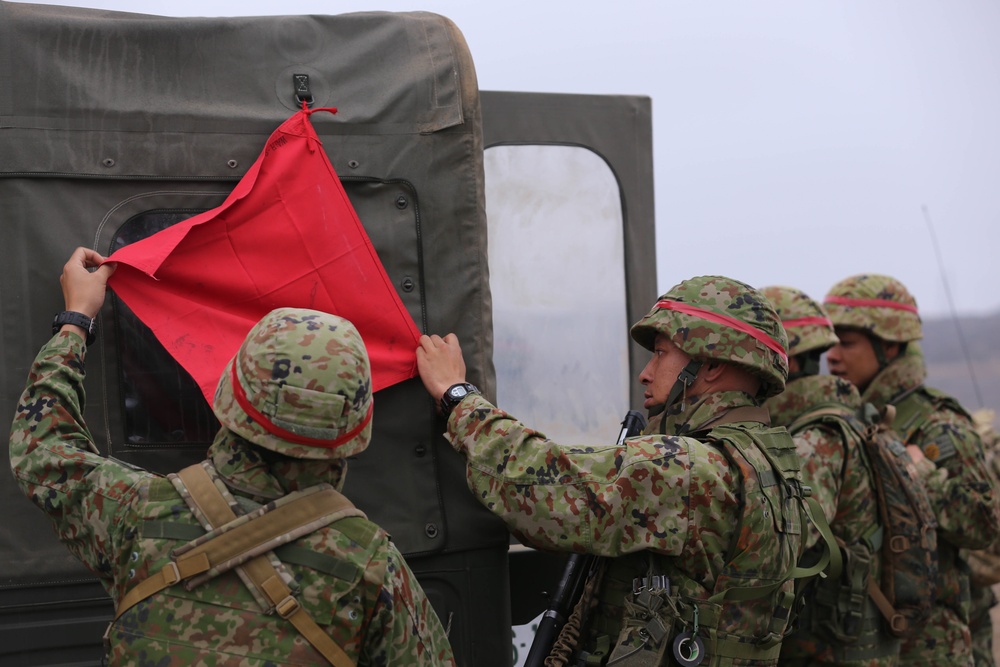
x=951, y=305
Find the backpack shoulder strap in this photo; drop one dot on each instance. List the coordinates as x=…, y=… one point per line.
x=830, y=561
x=825, y=413
x=244, y=542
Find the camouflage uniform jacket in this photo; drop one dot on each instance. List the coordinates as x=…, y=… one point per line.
x=678, y=500
x=836, y=468
x=961, y=494
x=123, y=522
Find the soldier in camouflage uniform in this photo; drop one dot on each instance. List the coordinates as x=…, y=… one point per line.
x=293, y=403
x=985, y=563
x=877, y=322
x=698, y=516
x=840, y=624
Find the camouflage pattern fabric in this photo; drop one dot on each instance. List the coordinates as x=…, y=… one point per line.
x=309, y=373
x=806, y=323
x=981, y=625
x=123, y=522
x=677, y=498
x=878, y=304
x=834, y=466
x=712, y=330
x=984, y=563
x=962, y=496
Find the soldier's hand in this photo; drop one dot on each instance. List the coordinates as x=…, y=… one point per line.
x=83, y=290
x=440, y=363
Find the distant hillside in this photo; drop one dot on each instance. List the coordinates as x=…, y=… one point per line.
x=948, y=368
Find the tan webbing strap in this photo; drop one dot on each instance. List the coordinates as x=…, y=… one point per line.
x=244, y=546
x=171, y=574
x=227, y=547
x=204, y=494
x=259, y=533
x=896, y=621
x=260, y=570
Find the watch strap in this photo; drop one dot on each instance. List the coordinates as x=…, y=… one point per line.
x=88, y=324
x=449, y=401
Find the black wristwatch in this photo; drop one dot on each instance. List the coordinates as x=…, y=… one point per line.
x=454, y=395
x=88, y=324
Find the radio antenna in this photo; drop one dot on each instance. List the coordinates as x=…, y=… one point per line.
x=951, y=305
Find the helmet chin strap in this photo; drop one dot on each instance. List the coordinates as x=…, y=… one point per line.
x=679, y=391
x=879, y=350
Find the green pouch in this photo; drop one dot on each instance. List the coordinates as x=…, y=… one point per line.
x=645, y=634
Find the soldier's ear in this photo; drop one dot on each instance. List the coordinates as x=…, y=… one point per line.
x=713, y=369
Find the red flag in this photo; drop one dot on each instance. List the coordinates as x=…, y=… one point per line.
x=286, y=236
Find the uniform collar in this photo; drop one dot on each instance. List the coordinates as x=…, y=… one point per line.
x=259, y=474
x=903, y=374
x=808, y=391
x=695, y=412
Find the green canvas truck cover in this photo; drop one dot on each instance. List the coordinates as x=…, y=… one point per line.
x=113, y=125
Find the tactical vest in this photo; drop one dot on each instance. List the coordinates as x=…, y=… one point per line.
x=914, y=408
x=913, y=411
x=839, y=609
x=228, y=579
x=646, y=600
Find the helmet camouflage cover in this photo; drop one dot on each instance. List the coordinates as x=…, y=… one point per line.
x=718, y=318
x=806, y=323
x=300, y=385
x=880, y=305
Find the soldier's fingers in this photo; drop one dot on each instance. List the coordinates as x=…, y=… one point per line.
x=83, y=257
x=105, y=270
x=91, y=257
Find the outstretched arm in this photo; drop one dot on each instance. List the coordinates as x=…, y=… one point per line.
x=52, y=453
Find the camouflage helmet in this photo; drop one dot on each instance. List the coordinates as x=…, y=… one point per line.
x=806, y=323
x=713, y=317
x=300, y=385
x=880, y=305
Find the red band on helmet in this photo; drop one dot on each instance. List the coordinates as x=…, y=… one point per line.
x=725, y=320
x=806, y=321
x=874, y=303
x=277, y=431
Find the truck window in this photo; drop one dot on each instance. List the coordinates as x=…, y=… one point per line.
x=557, y=276
x=160, y=402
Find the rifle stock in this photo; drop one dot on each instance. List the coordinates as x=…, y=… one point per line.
x=574, y=576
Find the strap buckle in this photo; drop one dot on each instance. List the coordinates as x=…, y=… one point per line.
x=171, y=574
x=653, y=582
x=287, y=607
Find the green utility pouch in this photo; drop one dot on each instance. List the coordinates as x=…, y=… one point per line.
x=657, y=622
x=841, y=603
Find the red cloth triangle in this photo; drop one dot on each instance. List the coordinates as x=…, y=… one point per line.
x=286, y=236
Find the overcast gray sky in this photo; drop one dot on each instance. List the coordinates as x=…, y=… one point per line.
x=794, y=142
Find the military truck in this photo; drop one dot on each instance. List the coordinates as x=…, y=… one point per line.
x=522, y=222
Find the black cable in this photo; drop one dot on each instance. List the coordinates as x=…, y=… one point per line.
x=951, y=306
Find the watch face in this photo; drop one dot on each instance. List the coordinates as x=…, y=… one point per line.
x=458, y=392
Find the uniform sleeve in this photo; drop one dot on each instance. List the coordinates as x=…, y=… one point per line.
x=52, y=457
x=959, y=486
x=606, y=500
x=405, y=630
x=822, y=457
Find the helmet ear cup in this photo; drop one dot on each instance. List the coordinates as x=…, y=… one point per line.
x=714, y=318
x=879, y=305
